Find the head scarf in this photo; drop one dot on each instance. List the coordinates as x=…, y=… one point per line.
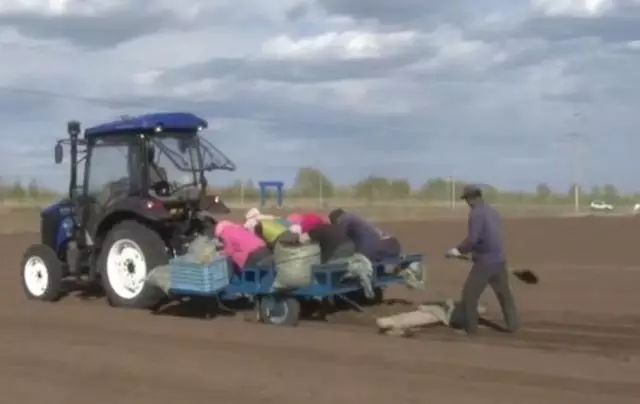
x=294, y=218
x=252, y=213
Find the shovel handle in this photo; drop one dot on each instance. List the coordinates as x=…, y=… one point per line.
x=525, y=275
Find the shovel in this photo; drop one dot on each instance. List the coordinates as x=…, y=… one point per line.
x=525, y=275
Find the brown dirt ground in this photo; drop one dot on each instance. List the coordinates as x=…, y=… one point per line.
x=580, y=341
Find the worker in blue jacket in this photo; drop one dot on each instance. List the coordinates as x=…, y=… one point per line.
x=485, y=244
x=369, y=240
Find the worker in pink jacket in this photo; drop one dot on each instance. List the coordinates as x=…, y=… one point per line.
x=305, y=222
x=245, y=249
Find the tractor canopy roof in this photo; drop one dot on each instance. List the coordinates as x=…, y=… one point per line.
x=149, y=124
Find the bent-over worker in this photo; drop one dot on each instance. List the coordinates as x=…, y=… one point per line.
x=270, y=228
x=245, y=249
x=484, y=241
x=333, y=240
x=369, y=240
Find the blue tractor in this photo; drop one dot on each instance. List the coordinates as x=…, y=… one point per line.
x=137, y=197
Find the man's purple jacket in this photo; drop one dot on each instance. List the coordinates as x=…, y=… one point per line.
x=366, y=237
x=484, y=238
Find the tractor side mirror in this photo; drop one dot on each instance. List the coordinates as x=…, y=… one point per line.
x=58, y=153
x=73, y=128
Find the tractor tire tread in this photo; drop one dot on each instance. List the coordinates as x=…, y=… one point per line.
x=153, y=248
x=55, y=272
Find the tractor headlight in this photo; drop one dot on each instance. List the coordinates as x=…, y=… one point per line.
x=158, y=128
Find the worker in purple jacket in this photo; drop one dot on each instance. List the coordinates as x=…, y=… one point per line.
x=369, y=240
x=484, y=242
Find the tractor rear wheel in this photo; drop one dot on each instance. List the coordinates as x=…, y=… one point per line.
x=129, y=252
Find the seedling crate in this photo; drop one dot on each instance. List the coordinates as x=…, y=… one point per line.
x=199, y=279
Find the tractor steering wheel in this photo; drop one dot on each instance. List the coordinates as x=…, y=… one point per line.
x=162, y=188
x=165, y=188
x=176, y=187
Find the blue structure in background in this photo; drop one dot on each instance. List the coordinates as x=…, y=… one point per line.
x=264, y=185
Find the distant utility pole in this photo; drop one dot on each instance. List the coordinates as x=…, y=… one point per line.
x=579, y=171
x=321, y=185
x=242, y=193
x=452, y=196
x=577, y=137
x=576, y=172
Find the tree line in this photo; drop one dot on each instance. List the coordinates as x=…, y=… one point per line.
x=312, y=183
x=16, y=190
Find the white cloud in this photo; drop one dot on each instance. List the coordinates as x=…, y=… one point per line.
x=634, y=45
x=339, y=45
x=209, y=89
x=452, y=50
x=146, y=78
x=60, y=7
x=95, y=8
x=574, y=8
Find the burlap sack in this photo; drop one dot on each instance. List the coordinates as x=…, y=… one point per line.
x=294, y=265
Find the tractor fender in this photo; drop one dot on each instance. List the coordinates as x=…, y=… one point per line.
x=146, y=211
x=149, y=208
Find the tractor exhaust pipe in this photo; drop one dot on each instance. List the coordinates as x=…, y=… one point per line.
x=73, y=128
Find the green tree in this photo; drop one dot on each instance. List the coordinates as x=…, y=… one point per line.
x=18, y=191
x=436, y=188
x=610, y=193
x=582, y=194
x=373, y=188
x=490, y=193
x=400, y=188
x=33, y=189
x=543, y=192
x=310, y=182
x=251, y=191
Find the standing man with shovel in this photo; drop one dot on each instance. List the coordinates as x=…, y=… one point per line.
x=484, y=242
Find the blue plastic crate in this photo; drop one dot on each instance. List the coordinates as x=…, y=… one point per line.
x=198, y=278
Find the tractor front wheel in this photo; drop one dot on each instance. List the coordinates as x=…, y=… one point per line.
x=129, y=252
x=42, y=274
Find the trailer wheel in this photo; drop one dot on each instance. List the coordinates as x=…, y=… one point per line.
x=378, y=295
x=361, y=298
x=129, y=252
x=41, y=274
x=279, y=310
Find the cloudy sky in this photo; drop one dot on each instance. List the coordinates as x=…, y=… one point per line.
x=507, y=92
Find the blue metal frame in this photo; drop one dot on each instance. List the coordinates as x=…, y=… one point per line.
x=269, y=184
x=327, y=281
x=172, y=121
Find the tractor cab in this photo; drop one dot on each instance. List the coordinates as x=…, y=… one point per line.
x=159, y=155
x=142, y=193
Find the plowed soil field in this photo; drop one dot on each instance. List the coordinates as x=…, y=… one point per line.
x=580, y=341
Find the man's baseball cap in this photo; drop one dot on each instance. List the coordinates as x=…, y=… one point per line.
x=471, y=191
